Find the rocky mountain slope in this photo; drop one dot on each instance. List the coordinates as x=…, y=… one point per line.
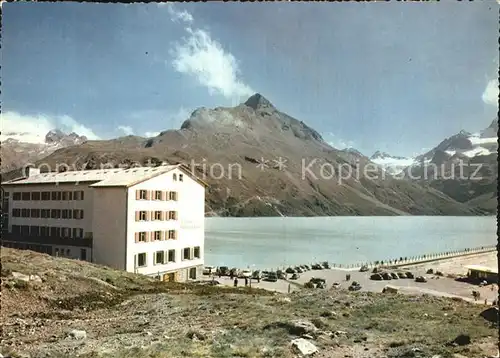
x=464, y=167
x=261, y=162
x=18, y=150
x=72, y=308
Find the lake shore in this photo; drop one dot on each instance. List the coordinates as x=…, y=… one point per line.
x=436, y=285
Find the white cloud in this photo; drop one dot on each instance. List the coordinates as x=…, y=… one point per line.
x=151, y=134
x=127, y=130
x=337, y=143
x=177, y=15
x=33, y=128
x=202, y=57
x=490, y=94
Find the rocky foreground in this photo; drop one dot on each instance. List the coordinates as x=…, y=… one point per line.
x=56, y=307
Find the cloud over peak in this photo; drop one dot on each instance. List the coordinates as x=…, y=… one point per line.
x=490, y=94
x=201, y=57
x=33, y=128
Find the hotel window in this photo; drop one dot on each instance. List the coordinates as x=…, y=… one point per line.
x=70, y=214
x=25, y=213
x=171, y=255
x=186, y=253
x=142, y=194
x=181, y=177
x=45, y=213
x=53, y=231
x=35, y=231
x=175, y=177
x=58, y=231
x=26, y=196
x=159, y=257
x=35, y=195
x=55, y=213
x=197, y=252
x=158, y=195
x=140, y=236
x=158, y=215
x=45, y=195
x=70, y=195
x=16, y=213
x=192, y=273
x=172, y=195
x=16, y=229
x=172, y=234
x=59, y=195
x=141, y=215
x=35, y=213
x=53, y=195
x=65, y=195
x=78, y=214
x=66, y=232
x=172, y=215
x=77, y=233
x=78, y=195
x=157, y=235
x=25, y=230
x=65, y=213
x=141, y=260
x=16, y=196
x=44, y=231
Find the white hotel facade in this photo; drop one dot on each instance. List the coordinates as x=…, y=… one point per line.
x=144, y=220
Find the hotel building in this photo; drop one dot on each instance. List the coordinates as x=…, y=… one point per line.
x=144, y=220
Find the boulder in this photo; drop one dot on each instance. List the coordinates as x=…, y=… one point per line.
x=490, y=314
x=304, y=347
x=461, y=340
x=296, y=328
x=78, y=334
x=390, y=289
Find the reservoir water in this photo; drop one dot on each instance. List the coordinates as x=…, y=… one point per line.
x=267, y=243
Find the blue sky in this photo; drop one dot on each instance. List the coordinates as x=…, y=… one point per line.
x=397, y=77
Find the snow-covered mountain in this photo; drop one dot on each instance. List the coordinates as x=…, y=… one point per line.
x=463, y=145
x=390, y=163
x=20, y=148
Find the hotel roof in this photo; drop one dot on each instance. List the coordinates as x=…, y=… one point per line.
x=101, y=177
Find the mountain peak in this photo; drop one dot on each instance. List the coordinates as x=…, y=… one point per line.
x=258, y=101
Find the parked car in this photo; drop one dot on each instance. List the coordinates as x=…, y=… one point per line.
x=376, y=277
x=272, y=277
x=409, y=275
x=363, y=268
x=207, y=270
x=245, y=274
x=307, y=267
x=295, y=276
x=281, y=275
x=223, y=270
x=317, y=267
x=318, y=282
x=420, y=279
x=386, y=276
x=401, y=274
x=298, y=269
x=257, y=275
x=325, y=265
x=355, y=286
x=290, y=270
x=394, y=276
x=234, y=271
x=336, y=285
